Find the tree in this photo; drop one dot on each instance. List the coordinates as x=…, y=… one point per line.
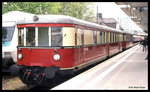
x=9, y=6
x=81, y=10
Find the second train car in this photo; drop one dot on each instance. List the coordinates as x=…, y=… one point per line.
x=59, y=44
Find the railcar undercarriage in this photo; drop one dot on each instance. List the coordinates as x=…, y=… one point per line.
x=36, y=75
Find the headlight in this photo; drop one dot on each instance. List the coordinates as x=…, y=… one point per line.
x=56, y=57
x=20, y=56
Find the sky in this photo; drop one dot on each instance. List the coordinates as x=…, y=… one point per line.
x=111, y=10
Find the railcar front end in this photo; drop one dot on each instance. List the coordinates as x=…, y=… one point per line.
x=43, y=52
x=127, y=41
x=9, y=50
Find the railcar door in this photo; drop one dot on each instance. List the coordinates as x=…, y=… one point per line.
x=78, y=46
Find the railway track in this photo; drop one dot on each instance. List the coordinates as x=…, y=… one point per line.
x=10, y=82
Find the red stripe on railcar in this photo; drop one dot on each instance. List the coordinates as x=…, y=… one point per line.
x=45, y=25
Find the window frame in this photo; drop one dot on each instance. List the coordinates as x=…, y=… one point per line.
x=94, y=37
x=61, y=43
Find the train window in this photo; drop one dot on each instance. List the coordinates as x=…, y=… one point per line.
x=56, y=36
x=129, y=38
x=82, y=36
x=118, y=37
x=100, y=37
x=7, y=33
x=30, y=36
x=125, y=38
x=121, y=37
x=114, y=37
x=104, y=37
x=95, y=37
x=21, y=37
x=43, y=37
x=109, y=37
x=75, y=36
x=78, y=36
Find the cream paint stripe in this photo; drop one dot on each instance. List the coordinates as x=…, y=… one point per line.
x=36, y=36
x=49, y=34
x=24, y=36
x=102, y=75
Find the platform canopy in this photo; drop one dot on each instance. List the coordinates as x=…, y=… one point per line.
x=137, y=11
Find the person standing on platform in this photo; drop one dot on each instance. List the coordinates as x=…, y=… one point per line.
x=141, y=40
x=144, y=44
x=147, y=43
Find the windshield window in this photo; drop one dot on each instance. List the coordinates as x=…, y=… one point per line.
x=43, y=37
x=56, y=38
x=7, y=33
x=30, y=36
x=21, y=37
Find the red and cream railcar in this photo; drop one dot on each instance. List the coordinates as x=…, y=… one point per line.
x=50, y=44
x=127, y=41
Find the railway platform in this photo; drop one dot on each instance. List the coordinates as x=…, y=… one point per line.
x=126, y=71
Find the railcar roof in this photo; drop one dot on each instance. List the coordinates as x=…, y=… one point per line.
x=64, y=19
